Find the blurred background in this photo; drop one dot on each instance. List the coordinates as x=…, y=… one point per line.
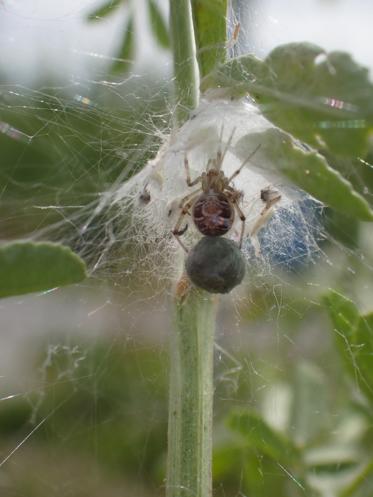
x=85, y=99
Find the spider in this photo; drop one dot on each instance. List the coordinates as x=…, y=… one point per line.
x=215, y=202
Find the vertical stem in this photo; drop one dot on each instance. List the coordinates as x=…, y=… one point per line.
x=191, y=398
x=184, y=55
x=191, y=377
x=210, y=26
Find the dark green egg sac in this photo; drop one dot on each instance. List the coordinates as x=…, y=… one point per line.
x=215, y=264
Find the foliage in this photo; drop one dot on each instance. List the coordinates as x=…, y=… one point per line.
x=125, y=55
x=45, y=166
x=158, y=25
x=324, y=99
x=210, y=33
x=322, y=105
x=127, y=49
x=115, y=411
x=105, y=10
x=307, y=169
x=354, y=338
x=33, y=267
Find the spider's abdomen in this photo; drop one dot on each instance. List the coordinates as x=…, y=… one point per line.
x=213, y=214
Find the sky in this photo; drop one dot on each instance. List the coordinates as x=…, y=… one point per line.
x=46, y=36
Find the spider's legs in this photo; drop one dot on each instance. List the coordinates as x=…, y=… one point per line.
x=187, y=197
x=220, y=155
x=187, y=170
x=234, y=196
x=243, y=164
x=217, y=162
x=177, y=232
x=243, y=220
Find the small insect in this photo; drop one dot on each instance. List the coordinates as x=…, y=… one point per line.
x=214, y=204
x=270, y=198
x=234, y=38
x=144, y=197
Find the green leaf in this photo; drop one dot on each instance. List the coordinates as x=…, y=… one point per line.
x=158, y=25
x=236, y=76
x=226, y=460
x=344, y=316
x=258, y=435
x=209, y=17
x=263, y=477
x=342, y=228
x=363, y=353
x=305, y=168
x=362, y=484
x=356, y=170
x=354, y=336
x=331, y=459
x=127, y=49
x=104, y=10
x=323, y=99
x=27, y=267
x=309, y=403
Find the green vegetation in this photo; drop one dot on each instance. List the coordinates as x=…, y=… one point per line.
x=293, y=399
x=32, y=267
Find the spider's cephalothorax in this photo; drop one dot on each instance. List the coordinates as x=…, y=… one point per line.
x=214, y=204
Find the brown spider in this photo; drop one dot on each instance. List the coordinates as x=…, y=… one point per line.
x=214, y=204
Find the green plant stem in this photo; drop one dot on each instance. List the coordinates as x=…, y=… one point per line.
x=191, y=376
x=184, y=56
x=210, y=29
x=191, y=398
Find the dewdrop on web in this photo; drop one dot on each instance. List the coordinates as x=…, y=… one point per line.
x=266, y=218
